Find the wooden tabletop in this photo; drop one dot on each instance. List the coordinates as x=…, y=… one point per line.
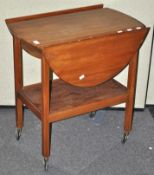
x=52, y=30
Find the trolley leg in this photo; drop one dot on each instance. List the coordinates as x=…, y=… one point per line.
x=92, y=114
x=18, y=85
x=131, y=95
x=46, y=126
x=46, y=143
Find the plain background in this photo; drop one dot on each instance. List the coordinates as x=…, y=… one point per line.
x=140, y=9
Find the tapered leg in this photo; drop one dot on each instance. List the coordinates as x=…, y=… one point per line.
x=46, y=126
x=18, y=85
x=131, y=96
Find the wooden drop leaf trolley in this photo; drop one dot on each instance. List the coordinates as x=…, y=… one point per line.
x=86, y=47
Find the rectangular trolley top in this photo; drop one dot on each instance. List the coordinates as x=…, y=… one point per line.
x=54, y=28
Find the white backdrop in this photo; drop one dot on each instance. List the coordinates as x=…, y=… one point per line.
x=139, y=9
x=150, y=92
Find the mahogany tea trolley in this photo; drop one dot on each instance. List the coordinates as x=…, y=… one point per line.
x=86, y=47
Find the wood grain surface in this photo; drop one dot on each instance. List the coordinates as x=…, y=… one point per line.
x=52, y=30
x=68, y=101
x=90, y=62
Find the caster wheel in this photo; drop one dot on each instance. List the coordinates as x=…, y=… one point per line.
x=92, y=114
x=18, y=133
x=46, y=164
x=125, y=137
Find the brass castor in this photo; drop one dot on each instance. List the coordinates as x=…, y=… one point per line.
x=125, y=137
x=92, y=114
x=46, y=163
x=18, y=133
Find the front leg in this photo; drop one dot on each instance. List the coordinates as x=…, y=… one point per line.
x=46, y=126
x=18, y=85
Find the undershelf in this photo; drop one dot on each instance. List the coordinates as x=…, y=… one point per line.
x=68, y=101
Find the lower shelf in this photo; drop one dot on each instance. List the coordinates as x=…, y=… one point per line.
x=68, y=101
